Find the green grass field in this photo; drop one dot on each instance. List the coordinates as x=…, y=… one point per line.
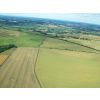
x=52, y=43
x=64, y=64
x=61, y=68
x=95, y=43
x=20, y=39
x=29, y=40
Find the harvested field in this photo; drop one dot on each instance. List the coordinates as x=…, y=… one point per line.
x=18, y=70
x=2, y=58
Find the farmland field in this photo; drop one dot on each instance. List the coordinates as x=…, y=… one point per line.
x=18, y=70
x=66, y=64
x=92, y=43
x=47, y=53
x=61, y=68
x=20, y=39
x=6, y=33
x=29, y=40
x=52, y=43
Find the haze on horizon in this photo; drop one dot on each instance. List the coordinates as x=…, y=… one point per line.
x=93, y=18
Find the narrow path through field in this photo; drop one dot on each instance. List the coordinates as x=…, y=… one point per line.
x=18, y=70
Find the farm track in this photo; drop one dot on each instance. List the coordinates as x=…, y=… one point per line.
x=18, y=70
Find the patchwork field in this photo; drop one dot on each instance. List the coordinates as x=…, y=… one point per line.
x=59, y=64
x=61, y=68
x=18, y=70
x=47, y=53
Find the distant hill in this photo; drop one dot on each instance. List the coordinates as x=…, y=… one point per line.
x=77, y=27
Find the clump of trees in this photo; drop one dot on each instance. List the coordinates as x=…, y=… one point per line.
x=6, y=47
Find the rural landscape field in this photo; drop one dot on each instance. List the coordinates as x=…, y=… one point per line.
x=48, y=53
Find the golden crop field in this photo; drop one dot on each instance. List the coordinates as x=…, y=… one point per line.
x=18, y=70
x=3, y=58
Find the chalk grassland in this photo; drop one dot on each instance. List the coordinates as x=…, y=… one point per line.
x=62, y=64
x=18, y=70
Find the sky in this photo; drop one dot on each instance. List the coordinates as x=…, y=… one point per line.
x=93, y=18
x=87, y=11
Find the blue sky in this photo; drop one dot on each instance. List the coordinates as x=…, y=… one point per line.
x=93, y=18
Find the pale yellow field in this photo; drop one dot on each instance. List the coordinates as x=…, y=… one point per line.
x=68, y=69
x=18, y=70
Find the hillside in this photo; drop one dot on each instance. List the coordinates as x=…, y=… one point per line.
x=45, y=53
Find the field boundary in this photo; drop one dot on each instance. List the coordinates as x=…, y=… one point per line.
x=35, y=69
x=68, y=50
x=80, y=44
x=76, y=44
x=35, y=62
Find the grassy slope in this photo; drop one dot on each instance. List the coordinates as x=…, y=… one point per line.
x=93, y=43
x=62, y=68
x=8, y=36
x=64, y=45
x=20, y=40
x=29, y=40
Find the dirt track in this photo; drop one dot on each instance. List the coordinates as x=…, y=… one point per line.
x=18, y=70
